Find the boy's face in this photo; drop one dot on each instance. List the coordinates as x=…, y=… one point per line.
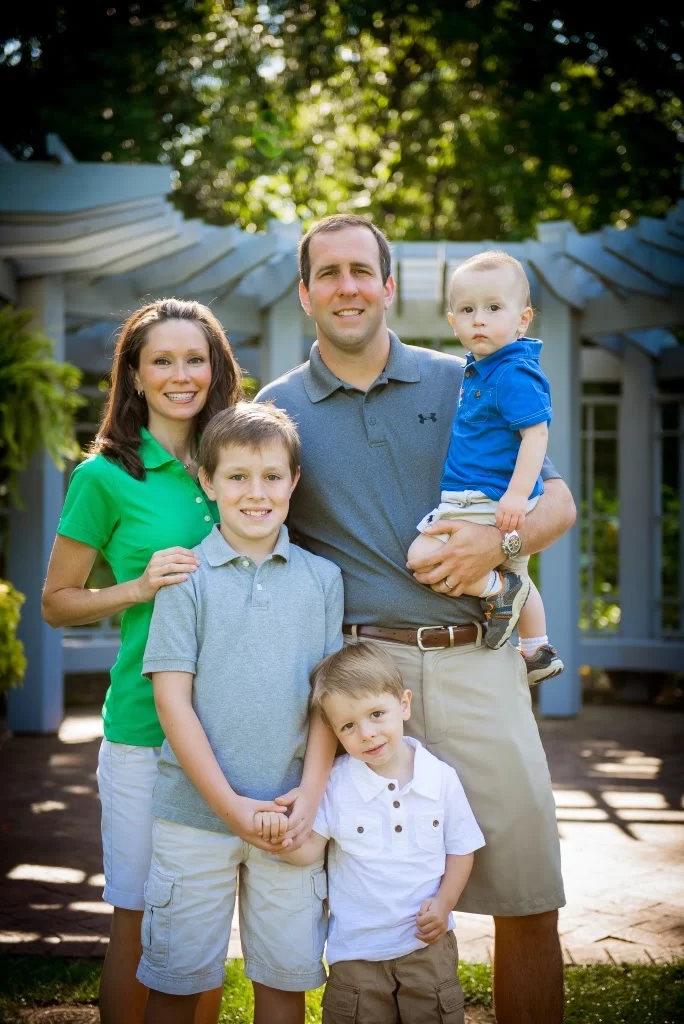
x=252, y=487
x=487, y=309
x=370, y=727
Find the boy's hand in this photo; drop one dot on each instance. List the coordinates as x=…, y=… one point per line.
x=271, y=825
x=510, y=514
x=241, y=819
x=432, y=920
x=302, y=813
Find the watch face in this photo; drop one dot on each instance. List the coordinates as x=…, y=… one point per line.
x=512, y=543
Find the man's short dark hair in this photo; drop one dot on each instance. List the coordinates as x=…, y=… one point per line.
x=337, y=222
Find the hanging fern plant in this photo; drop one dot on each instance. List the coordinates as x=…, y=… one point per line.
x=38, y=399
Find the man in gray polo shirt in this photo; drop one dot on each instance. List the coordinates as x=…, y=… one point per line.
x=374, y=418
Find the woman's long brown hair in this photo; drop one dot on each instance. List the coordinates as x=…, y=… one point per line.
x=125, y=412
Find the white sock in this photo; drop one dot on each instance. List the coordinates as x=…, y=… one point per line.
x=493, y=586
x=529, y=644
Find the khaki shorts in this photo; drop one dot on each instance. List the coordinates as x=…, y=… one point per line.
x=474, y=507
x=421, y=986
x=189, y=903
x=472, y=708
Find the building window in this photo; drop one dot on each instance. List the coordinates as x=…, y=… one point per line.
x=599, y=516
x=669, y=473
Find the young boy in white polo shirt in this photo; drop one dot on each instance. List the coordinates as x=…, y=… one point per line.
x=230, y=652
x=402, y=837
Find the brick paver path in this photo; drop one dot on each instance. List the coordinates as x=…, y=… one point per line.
x=618, y=776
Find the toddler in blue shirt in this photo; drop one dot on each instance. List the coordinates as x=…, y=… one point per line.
x=498, y=444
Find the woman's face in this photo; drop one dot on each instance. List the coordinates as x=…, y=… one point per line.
x=174, y=372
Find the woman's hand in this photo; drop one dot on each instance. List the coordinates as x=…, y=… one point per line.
x=171, y=565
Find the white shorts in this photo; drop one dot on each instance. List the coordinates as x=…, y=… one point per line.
x=126, y=776
x=474, y=507
x=189, y=903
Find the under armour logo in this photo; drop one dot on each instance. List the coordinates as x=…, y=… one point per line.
x=431, y=416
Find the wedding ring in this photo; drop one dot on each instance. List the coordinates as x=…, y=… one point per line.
x=446, y=580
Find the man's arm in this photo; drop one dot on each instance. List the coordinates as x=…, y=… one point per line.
x=473, y=550
x=188, y=740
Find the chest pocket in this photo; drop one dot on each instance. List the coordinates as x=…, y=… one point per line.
x=360, y=834
x=477, y=404
x=429, y=831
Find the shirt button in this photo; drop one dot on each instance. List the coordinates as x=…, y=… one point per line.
x=477, y=394
x=207, y=519
x=469, y=373
x=360, y=828
x=391, y=786
x=259, y=587
x=198, y=500
x=435, y=823
x=245, y=564
x=396, y=804
x=372, y=421
x=397, y=828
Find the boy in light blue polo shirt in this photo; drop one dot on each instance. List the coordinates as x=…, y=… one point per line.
x=230, y=652
x=498, y=444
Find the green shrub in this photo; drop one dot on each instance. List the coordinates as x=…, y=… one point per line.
x=12, y=659
x=38, y=399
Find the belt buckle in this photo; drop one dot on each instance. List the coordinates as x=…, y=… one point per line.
x=419, y=638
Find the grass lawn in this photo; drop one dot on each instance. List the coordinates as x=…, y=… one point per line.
x=596, y=994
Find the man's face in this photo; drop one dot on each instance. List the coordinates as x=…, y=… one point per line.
x=346, y=296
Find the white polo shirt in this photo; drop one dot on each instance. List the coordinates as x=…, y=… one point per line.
x=389, y=851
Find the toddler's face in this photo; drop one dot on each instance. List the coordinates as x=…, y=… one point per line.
x=370, y=727
x=487, y=309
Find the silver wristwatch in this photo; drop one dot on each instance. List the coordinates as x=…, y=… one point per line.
x=511, y=543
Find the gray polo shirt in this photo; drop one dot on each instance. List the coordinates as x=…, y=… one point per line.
x=250, y=634
x=371, y=467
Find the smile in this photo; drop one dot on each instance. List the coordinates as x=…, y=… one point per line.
x=180, y=396
x=348, y=312
x=374, y=750
x=256, y=513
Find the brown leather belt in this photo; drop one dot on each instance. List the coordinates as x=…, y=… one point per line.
x=427, y=638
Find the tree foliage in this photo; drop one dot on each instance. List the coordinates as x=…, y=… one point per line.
x=466, y=119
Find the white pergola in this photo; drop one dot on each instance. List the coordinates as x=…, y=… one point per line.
x=83, y=244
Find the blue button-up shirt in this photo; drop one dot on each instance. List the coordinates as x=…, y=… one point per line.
x=501, y=395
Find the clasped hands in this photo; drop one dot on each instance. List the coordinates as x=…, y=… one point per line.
x=274, y=825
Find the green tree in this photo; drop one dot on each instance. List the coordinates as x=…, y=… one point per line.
x=462, y=120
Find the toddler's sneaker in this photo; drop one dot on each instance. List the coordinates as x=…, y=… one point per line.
x=502, y=611
x=543, y=664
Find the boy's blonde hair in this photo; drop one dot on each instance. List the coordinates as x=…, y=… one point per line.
x=494, y=259
x=354, y=671
x=248, y=425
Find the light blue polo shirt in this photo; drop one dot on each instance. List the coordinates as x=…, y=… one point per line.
x=501, y=395
x=251, y=635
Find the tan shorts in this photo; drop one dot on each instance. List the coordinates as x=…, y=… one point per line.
x=421, y=986
x=189, y=902
x=474, y=507
x=472, y=708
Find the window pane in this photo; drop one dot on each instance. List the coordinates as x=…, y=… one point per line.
x=605, y=417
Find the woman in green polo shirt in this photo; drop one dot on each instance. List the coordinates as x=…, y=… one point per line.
x=136, y=499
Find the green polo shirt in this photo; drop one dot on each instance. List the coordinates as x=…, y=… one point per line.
x=128, y=520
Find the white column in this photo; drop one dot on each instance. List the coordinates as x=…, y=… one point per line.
x=635, y=483
x=38, y=705
x=282, y=341
x=559, y=330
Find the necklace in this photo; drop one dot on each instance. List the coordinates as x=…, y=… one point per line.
x=186, y=465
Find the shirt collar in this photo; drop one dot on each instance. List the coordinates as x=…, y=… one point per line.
x=320, y=382
x=523, y=348
x=426, y=779
x=218, y=551
x=151, y=452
